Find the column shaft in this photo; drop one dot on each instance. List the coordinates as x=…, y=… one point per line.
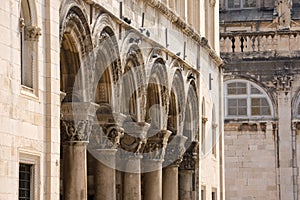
x=75, y=175
x=170, y=183
x=132, y=181
x=105, y=178
x=153, y=180
x=186, y=185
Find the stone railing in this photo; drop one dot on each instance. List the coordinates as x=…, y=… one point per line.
x=268, y=41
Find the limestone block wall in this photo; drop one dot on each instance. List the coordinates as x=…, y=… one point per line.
x=28, y=129
x=250, y=161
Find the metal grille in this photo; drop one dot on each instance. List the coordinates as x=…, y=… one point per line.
x=24, y=181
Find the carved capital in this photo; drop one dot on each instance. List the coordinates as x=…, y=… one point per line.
x=32, y=33
x=283, y=81
x=190, y=158
x=114, y=134
x=156, y=145
x=72, y=131
x=175, y=150
x=76, y=121
x=134, y=139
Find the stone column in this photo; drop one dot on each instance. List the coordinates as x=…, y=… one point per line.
x=186, y=184
x=133, y=143
x=105, y=139
x=105, y=177
x=170, y=182
x=74, y=180
x=154, y=153
x=76, y=125
x=173, y=158
x=132, y=181
x=187, y=173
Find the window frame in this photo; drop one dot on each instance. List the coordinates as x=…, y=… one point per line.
x=33, y=159
x=241, y=5
x=29, y=34
x=248, y=96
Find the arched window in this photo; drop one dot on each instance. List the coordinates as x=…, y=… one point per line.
x=29, y=35
x=244, y=99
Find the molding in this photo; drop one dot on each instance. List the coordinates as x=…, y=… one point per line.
x=187, y=29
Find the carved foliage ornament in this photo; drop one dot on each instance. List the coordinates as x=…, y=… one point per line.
x=72, y=132
x=32, y=33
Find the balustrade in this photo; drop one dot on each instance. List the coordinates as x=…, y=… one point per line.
x=268, y=41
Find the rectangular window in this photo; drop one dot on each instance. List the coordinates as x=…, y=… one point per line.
x=260, y=106
x=237, y=88
x=234, y=4
x=239, y=4
x=213, y=196
x=25, y=181
x=237, y=107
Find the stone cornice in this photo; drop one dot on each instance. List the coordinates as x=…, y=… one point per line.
x=187, y=29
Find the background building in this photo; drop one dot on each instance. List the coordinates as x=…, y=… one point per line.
x=259, y=42
x=94, y=93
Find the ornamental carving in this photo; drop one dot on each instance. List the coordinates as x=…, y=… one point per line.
x=283, y=81
x=190, y=158
x=32, y=33
x=72, y=132
x=114, y=134
x=156, y=145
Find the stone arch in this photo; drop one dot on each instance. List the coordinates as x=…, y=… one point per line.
x=176, y=104
x=133, y=84
x=76, y=56
x=107, y=62
x=30, y=13
x=158, y=95
x=191, y=118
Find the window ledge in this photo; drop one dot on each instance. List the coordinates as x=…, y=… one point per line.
x=28, y=92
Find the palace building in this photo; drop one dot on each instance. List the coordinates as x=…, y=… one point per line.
x=113, y=100
x=259, y=42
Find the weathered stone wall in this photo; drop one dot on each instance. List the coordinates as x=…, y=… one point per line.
x=250, y=161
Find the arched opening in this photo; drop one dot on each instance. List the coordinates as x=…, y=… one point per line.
x=157, y=97
x=29, y=36
x=176, y=100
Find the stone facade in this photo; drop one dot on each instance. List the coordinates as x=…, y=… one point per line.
x=111, y=100
x=260, y=47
